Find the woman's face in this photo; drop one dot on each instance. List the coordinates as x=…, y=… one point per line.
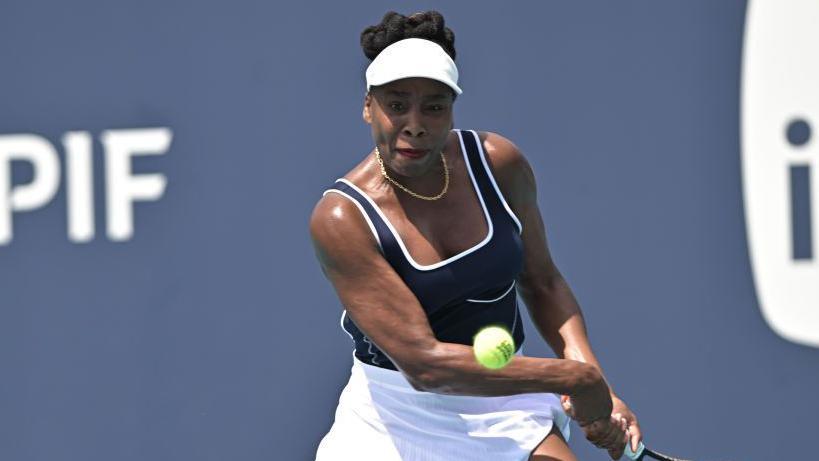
x=410, y=119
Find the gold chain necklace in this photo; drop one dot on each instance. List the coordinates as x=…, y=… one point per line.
x=422, y=197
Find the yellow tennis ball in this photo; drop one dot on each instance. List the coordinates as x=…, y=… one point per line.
x=493, y=347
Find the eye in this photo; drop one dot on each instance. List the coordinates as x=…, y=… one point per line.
x=397, y=106
x=436, y=108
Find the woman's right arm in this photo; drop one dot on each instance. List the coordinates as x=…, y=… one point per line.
x=388, y=313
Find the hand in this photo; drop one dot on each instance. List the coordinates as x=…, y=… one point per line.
x=635, y=434
x=591, y=400
x=609, y=433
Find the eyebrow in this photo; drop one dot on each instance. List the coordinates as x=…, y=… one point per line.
x=404, y=94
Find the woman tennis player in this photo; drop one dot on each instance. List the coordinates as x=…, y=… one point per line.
x=426, y=241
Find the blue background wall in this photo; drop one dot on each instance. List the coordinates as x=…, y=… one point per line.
x=212, y=334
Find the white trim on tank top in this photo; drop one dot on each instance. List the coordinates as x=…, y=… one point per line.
x=344, y=314
x=363, y=212
x=496, y=299
x=460, y=255
x=495, y=184
x=375, y=234
x=363, y=336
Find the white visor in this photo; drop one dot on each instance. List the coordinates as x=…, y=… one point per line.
x=413, y=57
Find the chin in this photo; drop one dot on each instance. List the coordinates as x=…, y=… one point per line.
x=412, y=168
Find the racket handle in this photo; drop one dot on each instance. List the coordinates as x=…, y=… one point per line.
x=634, y=455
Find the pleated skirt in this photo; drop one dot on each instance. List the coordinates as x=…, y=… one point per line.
x=380, y=417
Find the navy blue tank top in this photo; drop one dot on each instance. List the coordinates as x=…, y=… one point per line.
x=461, y=294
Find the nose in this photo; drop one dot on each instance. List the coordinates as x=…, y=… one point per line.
x=415, y=124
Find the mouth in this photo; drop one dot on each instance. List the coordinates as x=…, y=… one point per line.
x=413, y=153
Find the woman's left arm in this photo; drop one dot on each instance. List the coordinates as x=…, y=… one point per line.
x=551, y=303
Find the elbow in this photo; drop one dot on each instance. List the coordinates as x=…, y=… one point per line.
x=422, y=382
x=550, y=286
x=421, y=372
x=422, y=378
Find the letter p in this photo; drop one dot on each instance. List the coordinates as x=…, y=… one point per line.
x=25, y=197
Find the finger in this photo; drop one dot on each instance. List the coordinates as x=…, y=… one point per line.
x=616, y=450
x=595, y=432
x=599, y=428
x=614, y=429
x=592, y=434
x=635, y=435
x=619, y=436
x=617, y=453
x=606, y=428
x=607, y=434
x=566, y=403
x=622, y=440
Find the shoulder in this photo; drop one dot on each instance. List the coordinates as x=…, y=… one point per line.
x=510, y=167
x=499, y=147
x=337, y=226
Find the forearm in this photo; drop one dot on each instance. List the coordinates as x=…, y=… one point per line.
x=576, y=342
x=558, y=318
x=452, y=369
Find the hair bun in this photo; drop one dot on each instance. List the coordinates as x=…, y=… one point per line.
x=394, y=26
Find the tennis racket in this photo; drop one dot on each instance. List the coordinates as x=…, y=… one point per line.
x=642, y=452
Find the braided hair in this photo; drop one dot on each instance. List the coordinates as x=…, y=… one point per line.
x=428, y=25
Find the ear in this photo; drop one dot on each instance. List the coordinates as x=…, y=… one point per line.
x=365, y=114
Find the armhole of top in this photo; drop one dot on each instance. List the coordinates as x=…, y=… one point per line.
x=363, y=213
x=494, y=183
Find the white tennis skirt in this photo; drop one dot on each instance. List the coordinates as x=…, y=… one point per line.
x=380, y=417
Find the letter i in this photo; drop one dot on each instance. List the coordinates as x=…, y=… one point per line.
x=798, y=134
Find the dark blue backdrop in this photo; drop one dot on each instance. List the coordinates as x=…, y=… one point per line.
x=212, y=334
